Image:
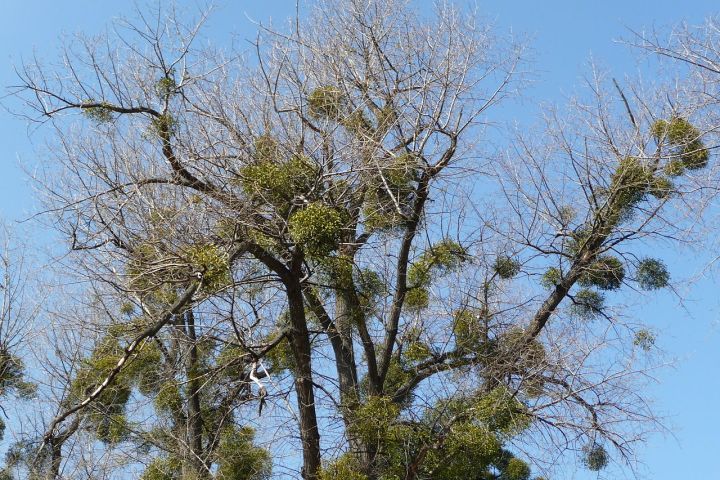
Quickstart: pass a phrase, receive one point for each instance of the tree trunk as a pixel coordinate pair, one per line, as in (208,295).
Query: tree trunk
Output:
(195,452)
(300,345)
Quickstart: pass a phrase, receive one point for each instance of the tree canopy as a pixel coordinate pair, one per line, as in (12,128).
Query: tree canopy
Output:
(312,248)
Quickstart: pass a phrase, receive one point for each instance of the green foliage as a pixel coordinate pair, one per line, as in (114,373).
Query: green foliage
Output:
(468,329)
(374,420)
(684,141)
(652,274)
(16,453)
(159,273)
(441,258)
(346,467)
(396,376)
(212,262)
(356,122)
(12,370)
(326,102)
(127,308)
(417,298)
(266,149)
(99,114)
(280,357)
(674,167)
(103,360)
(474,429)
(588,303)
(112,428)
(606,273)
(551,277)
(631,180)
(516,469)
(417,351)
(108,416)
(595,457)
(506,267)
(317,228)
(166,87)
(231,359)
(163,469)
(390,192)
(578,240)
(500,411)
(278,182)
(169,398)
(468,451)
(662,187)
(338,270)
(370,286)
(466,435)
(239,459)
(644,339)
(164,125)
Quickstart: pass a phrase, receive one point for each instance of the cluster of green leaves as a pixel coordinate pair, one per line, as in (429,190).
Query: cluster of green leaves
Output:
(684,141)
(159,273)
(280,357)
(506,267)
(632,180)
(153,373)
(109,415)
(98,114)
(370,287)
(551,277)
(635,178)
(275,181)
(595,457)
(266,149)
(417,351)
(346,467)
(326,102)
(606,273)
(652,274)
(390,192)
(163,468)
(166,87)
(458,438)
(164,125)
(469,330)
(23,455)
(644,339)
(238,457)
(212,261)
(12,379)
(588,303)
(317,228)
(330,103)
(441,258)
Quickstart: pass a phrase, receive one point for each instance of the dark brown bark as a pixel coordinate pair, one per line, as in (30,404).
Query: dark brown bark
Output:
(195,452)
(299,339)
(301,349)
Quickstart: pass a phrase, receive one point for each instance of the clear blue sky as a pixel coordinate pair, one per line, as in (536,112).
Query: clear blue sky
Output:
(564,35)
